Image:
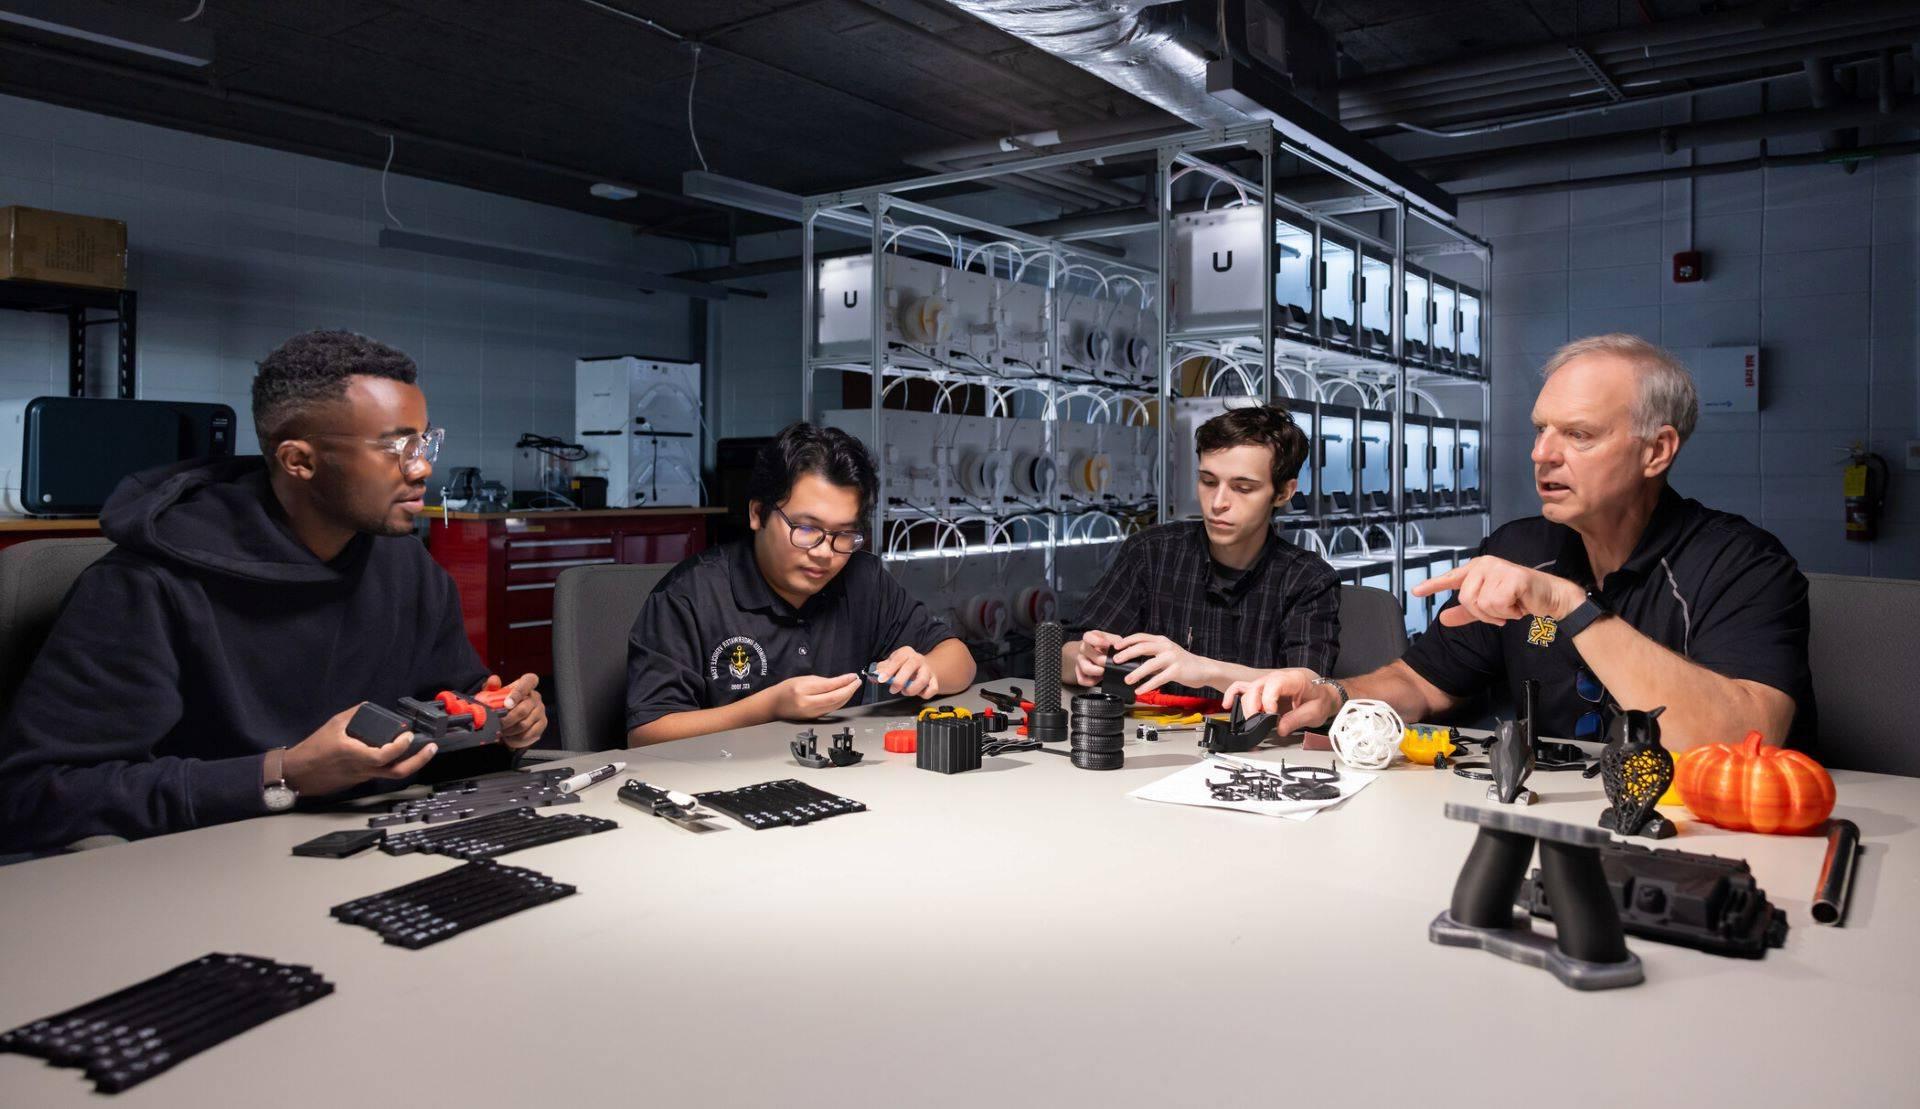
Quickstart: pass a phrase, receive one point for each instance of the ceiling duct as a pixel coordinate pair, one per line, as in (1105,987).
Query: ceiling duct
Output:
(1212,72)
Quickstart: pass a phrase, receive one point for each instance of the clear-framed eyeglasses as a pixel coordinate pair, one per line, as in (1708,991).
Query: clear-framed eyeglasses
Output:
(410,450)
(807,537)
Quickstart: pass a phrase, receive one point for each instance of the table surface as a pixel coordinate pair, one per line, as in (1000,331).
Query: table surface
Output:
(1025,934)
(577,513)
(48,523)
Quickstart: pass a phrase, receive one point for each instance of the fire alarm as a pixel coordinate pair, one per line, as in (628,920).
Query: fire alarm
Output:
(1688,266)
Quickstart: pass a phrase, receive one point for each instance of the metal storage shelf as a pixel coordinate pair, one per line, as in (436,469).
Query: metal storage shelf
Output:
(1281,353)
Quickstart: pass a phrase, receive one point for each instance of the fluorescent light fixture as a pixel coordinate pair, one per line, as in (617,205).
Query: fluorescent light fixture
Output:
(112,27)
(745,195)
(493,255)
(607,190)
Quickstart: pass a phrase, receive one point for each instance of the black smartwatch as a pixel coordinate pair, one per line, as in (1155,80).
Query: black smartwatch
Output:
(1575,622)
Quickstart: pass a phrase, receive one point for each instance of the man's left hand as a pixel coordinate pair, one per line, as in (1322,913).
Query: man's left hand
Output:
(1165,661)
(526,719)
(910,672)
(1494,591)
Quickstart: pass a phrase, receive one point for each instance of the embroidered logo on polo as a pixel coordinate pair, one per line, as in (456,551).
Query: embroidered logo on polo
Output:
(738,656)
(1540,633)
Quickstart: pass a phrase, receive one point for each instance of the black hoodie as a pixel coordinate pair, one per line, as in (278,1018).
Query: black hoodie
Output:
(209,636)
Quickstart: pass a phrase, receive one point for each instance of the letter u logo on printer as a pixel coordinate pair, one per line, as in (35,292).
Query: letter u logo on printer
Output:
(1217,267)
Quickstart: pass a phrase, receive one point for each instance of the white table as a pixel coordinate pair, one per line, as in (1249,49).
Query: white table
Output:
(1021,935)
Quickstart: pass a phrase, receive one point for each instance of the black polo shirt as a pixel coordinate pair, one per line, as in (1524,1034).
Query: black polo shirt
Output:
(1707,585)
(1284,610)
(713,631)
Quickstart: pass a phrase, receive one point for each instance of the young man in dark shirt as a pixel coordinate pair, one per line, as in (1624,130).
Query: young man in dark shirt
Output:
(1202,604)
(1621,591)
(777,627)
(205,669)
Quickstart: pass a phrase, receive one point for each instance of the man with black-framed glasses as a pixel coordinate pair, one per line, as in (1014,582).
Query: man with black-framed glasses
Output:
(205,669)
(778,627)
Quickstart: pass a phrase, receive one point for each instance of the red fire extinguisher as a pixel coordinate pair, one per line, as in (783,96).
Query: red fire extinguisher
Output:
(1865,486)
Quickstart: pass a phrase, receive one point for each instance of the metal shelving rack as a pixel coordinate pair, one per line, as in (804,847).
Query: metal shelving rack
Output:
(78,303)
(1049,523)
(1286,355)
(1314,352)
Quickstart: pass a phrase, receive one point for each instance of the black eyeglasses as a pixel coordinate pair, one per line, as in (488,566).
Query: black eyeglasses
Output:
(1592,724)
(807,537)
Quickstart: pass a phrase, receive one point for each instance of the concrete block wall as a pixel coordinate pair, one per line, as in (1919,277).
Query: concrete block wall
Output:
(1814,265)
(236,247)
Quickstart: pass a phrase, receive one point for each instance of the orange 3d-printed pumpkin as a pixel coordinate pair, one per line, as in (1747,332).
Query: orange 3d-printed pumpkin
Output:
(1751,787)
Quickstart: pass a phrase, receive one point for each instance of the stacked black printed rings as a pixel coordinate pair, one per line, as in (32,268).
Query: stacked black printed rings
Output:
(1097,731)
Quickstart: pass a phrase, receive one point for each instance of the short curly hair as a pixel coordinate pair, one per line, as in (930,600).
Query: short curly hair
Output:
(311,370)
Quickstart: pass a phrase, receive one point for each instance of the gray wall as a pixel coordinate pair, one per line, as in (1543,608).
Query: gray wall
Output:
(235,247)
(1812,264)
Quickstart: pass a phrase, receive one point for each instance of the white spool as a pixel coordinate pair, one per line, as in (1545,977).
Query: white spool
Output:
(985,617)
(927,321)
(1032,474)
(1366,734)
(1033,606)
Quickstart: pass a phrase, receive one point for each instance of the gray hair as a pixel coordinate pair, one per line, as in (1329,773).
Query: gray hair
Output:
(1667,395)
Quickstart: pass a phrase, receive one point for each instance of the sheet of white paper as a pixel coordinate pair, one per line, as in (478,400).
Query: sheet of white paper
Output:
(1189,787)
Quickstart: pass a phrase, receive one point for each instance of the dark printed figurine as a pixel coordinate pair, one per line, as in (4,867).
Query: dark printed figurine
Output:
(1511,759)
(1636,770)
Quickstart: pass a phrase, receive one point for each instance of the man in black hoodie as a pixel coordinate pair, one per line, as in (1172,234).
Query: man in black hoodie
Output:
(205,669)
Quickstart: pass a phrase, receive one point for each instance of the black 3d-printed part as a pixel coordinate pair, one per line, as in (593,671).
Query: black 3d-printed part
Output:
(806,750)
(1113,681)
(1700,901)
(950,745)
(1098,732)
(1046,667)
(1589,951)
(1238,732)
(130,1035)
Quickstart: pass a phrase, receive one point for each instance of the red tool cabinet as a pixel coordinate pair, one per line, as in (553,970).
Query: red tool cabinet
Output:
(505,564)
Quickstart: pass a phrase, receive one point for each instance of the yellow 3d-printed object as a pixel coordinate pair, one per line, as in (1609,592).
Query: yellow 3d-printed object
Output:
(944,712)
(1161,718)
(1422,742)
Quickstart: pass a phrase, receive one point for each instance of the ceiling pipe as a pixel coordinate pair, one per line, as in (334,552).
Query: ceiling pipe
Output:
(1572,80)
(1591,109)
(1490,99)
(1118,41)
(1663,140)
(1545,85)
(1114,41)
(1644,41)
(1705,169)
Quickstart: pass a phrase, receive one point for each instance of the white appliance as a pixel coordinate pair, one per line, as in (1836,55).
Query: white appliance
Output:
(640,420)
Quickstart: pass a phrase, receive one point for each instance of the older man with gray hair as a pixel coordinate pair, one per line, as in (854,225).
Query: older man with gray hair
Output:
(1621,591)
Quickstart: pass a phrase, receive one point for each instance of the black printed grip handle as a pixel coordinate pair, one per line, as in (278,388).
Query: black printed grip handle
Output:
(1046,667)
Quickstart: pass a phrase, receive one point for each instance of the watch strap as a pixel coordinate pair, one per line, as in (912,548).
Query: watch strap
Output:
(1338,687)
(1575,622)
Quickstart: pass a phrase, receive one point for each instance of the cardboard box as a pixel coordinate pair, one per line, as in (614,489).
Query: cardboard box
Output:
(62,248)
